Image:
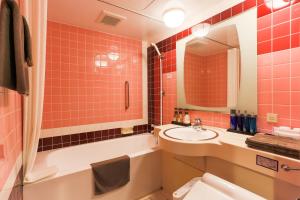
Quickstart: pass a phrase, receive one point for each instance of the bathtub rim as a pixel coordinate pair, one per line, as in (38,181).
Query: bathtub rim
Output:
(62,173)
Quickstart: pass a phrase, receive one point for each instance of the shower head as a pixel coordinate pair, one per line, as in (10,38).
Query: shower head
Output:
(156,49)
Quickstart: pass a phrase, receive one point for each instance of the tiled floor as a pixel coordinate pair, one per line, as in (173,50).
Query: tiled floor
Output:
(159,195)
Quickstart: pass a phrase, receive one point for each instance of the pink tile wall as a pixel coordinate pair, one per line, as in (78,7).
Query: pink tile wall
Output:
(11,138)
(10,132)
(279,65)
(76,92)
(205,80)
(279,88)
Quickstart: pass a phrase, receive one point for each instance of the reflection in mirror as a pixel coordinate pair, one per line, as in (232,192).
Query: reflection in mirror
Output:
(206,65)
(218,72)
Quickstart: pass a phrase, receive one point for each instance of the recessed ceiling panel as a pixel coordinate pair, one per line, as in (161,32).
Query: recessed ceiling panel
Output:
(137,5)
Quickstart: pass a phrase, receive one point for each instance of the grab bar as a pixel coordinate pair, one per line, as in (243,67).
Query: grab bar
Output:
(127,97)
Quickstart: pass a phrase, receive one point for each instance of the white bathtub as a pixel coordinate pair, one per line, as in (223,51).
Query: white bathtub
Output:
(74,180)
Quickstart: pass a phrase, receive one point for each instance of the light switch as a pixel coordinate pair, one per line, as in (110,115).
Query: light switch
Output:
(272,118)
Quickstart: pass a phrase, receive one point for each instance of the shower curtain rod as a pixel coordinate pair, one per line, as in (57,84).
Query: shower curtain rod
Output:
(133,11)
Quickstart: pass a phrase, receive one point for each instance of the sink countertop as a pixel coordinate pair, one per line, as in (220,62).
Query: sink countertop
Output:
(230,147)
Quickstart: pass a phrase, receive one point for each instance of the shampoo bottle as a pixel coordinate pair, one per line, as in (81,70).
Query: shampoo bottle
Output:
(253,127)
(233,119)
(187,119)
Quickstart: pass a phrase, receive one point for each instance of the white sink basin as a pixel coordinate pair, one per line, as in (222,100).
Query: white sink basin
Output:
(190,134)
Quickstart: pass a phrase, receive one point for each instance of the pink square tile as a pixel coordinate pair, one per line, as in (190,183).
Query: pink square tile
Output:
(282,111)
(281,30)
(265,98)
(295,69)
(264,85)
(281,71)
(295,123)
(282,43)
(281,57)
(281,98)
(295,112)
(265,59)
(264,109)
(264,47)
(265,72)
(264,22)
(281,16)
(295,54)
(295,98)
(295,84)
(296,25)
(264,35)
(295,11)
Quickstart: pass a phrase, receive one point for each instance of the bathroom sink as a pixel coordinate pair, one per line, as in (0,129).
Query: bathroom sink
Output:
(190,134)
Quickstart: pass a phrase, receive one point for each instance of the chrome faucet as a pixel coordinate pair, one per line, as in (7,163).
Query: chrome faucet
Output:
(197,124)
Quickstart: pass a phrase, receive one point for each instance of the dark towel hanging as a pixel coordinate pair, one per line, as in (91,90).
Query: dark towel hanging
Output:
(111,174)
(15,48)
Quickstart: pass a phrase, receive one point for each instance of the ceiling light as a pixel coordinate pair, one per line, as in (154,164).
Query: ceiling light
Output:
(173,17)
(113,56)
(277,4)
(201,30)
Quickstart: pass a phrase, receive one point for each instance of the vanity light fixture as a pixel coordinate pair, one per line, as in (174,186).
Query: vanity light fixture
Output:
(173,17)
(200,30)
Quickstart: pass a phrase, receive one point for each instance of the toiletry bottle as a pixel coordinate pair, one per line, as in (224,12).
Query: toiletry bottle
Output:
(242,121)
(180,117)
(247,122)
(233,120)
(175,115)
(253,124)
(239,121)
(187,119)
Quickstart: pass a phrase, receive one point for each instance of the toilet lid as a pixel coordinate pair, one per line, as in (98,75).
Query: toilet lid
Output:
(202,191)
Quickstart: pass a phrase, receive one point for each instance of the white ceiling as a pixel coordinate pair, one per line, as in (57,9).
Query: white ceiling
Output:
(83,13)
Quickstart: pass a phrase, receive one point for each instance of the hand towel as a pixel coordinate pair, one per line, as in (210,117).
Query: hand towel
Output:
(15,48)
(111,174)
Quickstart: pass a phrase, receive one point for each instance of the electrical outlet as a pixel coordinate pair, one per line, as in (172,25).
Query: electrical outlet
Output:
(272,118)
(127,130)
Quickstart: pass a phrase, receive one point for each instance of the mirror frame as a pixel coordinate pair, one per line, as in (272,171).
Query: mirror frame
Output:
(247,89)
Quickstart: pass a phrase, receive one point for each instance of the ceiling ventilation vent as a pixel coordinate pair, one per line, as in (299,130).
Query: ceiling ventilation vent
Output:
(109,18)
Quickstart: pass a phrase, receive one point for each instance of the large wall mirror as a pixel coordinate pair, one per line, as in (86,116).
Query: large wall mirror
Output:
(218,72)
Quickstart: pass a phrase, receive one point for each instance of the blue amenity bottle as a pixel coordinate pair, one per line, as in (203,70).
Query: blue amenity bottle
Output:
(253,128)
(233,119)
(246,124)
(239,121)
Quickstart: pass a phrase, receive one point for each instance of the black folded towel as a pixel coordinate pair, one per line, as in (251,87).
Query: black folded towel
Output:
(15,48)
(111,174)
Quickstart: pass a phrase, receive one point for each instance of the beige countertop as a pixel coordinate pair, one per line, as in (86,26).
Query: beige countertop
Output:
(230,147)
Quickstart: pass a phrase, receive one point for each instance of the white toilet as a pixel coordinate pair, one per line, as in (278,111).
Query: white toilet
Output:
(210,187)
